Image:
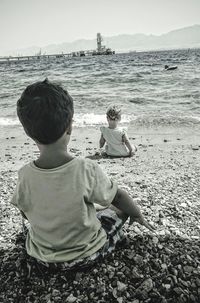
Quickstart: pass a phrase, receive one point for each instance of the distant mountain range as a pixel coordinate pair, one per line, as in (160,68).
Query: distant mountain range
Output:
(188,37)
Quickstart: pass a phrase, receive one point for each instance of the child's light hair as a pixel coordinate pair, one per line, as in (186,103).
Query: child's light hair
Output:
(114,112)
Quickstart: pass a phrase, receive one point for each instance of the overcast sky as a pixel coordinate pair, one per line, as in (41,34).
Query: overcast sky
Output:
(25,23)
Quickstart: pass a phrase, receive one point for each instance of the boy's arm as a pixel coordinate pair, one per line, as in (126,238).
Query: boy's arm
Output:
(17,197)
(126,204)
(101,141)
(128,144)
(23,215)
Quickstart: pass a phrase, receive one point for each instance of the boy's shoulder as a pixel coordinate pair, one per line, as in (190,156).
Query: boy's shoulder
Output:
(102,128)
(23,169)
(84,163)
(88,165)
(122,130)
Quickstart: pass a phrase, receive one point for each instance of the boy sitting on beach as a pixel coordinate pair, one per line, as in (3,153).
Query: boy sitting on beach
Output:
(117,142)
(56,192)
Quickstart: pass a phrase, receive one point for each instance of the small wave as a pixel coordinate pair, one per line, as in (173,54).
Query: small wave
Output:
(138,75)
(4,96)
(140,100)
(92,119)
(184,103)
(158,121)
(137,100)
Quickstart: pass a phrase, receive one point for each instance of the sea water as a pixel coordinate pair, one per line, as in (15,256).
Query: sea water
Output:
(136,81)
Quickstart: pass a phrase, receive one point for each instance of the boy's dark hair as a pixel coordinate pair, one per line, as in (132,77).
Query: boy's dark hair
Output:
(45,110)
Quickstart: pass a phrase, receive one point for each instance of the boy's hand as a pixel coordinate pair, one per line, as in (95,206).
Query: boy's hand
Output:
(131,153)
(23,215)
(141,221)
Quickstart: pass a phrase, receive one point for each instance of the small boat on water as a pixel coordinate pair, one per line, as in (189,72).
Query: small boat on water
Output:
(167,67)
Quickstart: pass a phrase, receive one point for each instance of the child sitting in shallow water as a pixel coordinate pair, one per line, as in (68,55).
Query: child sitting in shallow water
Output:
(117,142)
(57,193)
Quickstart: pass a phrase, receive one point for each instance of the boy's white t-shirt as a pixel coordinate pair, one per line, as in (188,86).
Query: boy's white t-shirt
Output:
(114,144)
(59,205)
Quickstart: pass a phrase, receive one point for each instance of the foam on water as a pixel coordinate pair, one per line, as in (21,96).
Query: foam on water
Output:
(92,119)
(8,121)
(80,120)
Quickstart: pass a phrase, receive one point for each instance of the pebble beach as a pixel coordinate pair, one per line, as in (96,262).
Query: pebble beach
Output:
(159,267)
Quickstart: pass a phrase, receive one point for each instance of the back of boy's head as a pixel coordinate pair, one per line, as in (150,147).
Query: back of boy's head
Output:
(114,112)
(45,110)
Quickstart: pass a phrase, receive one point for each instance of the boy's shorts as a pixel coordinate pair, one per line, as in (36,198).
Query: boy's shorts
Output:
(112,225)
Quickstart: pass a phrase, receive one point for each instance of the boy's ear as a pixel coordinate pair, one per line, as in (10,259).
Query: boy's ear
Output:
(69,129)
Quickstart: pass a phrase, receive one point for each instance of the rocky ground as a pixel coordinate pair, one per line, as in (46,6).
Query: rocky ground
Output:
(160,267)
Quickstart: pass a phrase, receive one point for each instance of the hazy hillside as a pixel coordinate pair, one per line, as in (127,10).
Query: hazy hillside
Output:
(180,38)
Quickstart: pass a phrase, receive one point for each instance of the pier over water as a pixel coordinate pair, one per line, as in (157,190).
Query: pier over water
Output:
(44,57)
(101,50)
